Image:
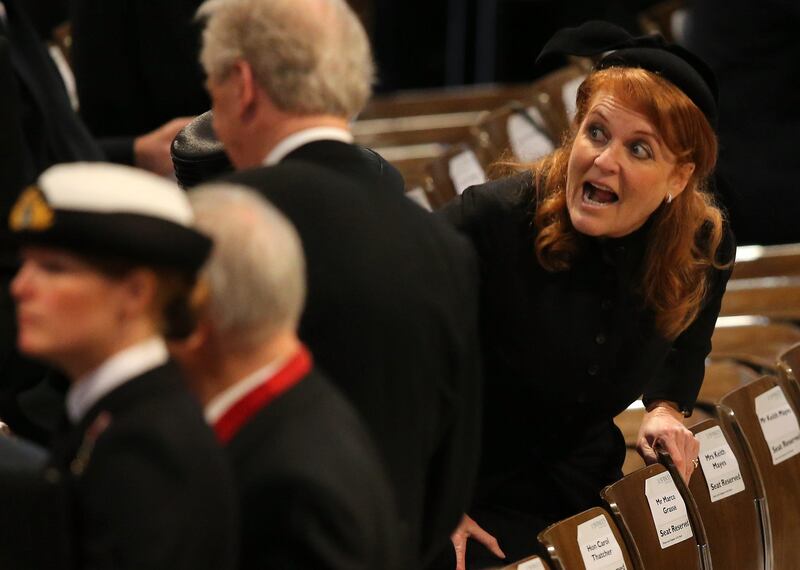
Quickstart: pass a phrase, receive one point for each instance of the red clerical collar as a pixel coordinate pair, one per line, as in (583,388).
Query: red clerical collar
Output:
(292,372)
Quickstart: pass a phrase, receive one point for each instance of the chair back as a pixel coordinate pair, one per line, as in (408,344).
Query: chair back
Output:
(590,539)
(765,420)
(652,512)
(725,489)
(529,563)
(789,367)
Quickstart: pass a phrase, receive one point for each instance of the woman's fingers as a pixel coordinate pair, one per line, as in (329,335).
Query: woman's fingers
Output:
(487,540)
(467,529)
(663,426)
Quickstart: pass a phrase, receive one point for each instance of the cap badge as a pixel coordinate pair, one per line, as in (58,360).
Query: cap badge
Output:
(31,212)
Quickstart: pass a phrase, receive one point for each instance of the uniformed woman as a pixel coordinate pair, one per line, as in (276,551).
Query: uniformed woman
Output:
(109,258)
(603,266)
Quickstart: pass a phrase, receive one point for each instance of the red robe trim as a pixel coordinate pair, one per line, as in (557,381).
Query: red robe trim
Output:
(237,415)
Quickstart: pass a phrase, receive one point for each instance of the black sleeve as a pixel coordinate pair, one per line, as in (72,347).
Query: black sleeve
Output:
(680,378)
(481,208)
(118,149)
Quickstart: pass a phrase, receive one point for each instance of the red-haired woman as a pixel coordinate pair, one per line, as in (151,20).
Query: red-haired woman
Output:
(603,267)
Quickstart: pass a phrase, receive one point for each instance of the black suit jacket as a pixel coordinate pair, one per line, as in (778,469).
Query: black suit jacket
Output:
(391,318)
(152,489)
(313,492)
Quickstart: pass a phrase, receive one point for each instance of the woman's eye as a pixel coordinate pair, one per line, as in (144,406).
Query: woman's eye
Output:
(596,133)
(641,150)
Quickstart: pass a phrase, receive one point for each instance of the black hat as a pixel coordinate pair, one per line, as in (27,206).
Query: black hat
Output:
(197,153)
(676,64)
(110,210)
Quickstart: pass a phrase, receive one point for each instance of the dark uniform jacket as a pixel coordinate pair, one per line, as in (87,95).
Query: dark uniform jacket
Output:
(152,487)
(313,492)
(391,318)
(564,353)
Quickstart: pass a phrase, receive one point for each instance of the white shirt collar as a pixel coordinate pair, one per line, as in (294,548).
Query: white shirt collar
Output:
(226,399)
(300,138)
(114,372)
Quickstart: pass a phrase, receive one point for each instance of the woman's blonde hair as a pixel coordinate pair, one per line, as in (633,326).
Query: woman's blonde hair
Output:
(684,236)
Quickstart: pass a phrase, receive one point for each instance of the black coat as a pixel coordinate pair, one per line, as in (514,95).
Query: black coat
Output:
(136,63)
(313,492)
(564,353)
(152,489)
(391,318)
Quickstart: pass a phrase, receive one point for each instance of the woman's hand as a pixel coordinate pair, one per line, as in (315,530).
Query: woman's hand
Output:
(663,423)
(467,529)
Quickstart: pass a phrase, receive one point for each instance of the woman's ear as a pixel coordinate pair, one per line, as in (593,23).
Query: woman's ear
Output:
(139,290)
(680,177)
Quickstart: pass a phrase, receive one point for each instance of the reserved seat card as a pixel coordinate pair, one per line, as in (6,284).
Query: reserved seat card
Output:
(719,464)
(668,510)
(599,548)
(527,138)
(569,95)
(465,171)
(779,424)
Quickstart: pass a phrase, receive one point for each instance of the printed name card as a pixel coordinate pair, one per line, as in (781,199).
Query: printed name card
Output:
(599,549)
(535,564)
(719,464)
(466,170)
(779,424)
(668,510)
(569,94)
(528,142)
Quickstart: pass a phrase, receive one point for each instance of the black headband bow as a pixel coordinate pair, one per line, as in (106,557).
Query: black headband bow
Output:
(676,64)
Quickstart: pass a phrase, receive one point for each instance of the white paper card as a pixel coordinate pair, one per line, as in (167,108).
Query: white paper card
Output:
(569,93)
(466,170)
(535,564)
(417,194)
(599,549)
(668,510)
(779,424)
(719,464)
(527,141)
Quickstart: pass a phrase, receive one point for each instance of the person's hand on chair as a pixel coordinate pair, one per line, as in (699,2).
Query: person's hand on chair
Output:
(467,529)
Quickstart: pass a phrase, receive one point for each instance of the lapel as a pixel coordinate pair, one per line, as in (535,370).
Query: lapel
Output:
(74,445)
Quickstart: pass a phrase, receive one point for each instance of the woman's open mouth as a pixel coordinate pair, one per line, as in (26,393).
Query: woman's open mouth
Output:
(598,195)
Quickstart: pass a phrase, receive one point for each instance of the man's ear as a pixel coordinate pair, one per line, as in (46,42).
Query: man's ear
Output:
(246,88)
(681,175)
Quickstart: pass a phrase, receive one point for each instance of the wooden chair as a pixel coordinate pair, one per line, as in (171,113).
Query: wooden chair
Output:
(555,95)
(789,367)
(663,18)
(757,344)
(460,166)
(515,131)
(470,98)
(590,533)
(721,377)
(773,297)
(739,413)
(530,563)
(753,261)
(630,507)
(738,496)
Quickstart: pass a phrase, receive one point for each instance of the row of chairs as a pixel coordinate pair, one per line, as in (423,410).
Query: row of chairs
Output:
(740,509)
